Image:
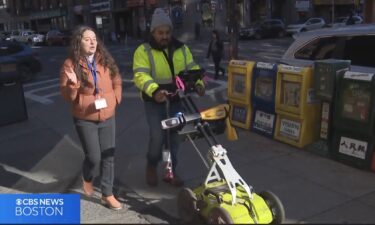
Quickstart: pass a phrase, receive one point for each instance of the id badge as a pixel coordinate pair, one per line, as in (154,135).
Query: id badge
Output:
(100,103)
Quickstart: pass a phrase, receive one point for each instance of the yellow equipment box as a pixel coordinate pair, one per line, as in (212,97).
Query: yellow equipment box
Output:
(240,114)
(239,80)
(298,110)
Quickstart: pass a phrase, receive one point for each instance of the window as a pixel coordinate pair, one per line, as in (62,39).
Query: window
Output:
(315,21)
(321,48)
(266,24)
(360,50)
(3,4)
(356,101)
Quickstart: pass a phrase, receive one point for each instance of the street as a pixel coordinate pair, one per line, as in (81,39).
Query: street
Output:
(46,88)
(313,189)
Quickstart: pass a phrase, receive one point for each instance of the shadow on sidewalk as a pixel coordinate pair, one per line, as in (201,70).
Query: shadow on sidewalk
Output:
(131,202)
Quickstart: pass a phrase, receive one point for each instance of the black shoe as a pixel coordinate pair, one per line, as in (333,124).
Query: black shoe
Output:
(151,176)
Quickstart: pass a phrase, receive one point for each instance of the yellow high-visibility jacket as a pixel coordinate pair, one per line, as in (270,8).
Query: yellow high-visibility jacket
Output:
(152,71)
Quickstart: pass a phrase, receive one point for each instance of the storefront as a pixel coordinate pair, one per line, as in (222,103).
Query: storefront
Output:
(331,10)
(101,13)
(45,20)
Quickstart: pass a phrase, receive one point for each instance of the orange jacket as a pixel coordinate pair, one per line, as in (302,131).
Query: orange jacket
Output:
(82,97)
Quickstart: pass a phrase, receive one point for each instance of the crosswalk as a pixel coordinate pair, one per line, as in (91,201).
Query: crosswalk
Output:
(47,92)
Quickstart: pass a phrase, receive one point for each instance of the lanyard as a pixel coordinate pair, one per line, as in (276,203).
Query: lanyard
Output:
(93,72)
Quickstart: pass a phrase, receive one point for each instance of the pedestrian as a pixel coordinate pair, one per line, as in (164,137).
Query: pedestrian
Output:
(91,82)
(156,63)
(350,20)
(216,49)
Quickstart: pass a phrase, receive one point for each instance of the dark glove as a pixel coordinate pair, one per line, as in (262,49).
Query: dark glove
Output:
(200,90)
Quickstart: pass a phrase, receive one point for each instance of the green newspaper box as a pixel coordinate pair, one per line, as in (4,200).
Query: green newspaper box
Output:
(325,79)
(353,123)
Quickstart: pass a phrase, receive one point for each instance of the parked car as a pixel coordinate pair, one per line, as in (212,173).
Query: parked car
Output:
(57,37)
(4,35)
(267,28)
(24,36)
(310,24)
(341,21)
(39,39)
(28,65)
(355,43)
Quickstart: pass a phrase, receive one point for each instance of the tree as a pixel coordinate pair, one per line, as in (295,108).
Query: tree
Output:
(234,14)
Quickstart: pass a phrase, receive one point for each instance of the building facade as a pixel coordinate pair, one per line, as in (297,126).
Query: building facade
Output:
(120,19)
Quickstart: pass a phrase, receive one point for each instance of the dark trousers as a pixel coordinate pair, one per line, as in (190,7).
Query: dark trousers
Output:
(98,143)
(217,61)
(155,113)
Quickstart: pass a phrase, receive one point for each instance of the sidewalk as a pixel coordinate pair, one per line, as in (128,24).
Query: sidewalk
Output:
(43,155)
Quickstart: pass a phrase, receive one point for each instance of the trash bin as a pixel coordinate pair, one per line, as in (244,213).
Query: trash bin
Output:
(13,107)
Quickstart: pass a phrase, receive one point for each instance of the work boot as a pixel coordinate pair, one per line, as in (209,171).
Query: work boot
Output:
(88,187)
(175,181)
(111,202)
(151,175)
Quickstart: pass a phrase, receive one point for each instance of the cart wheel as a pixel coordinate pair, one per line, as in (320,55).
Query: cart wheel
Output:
(186,205)
(219,215)
(275,205)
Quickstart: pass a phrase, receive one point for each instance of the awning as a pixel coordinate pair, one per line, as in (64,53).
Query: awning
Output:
(48,14)
(337,2)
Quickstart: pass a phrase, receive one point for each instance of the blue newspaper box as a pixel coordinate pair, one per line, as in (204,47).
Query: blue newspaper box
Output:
(263,98)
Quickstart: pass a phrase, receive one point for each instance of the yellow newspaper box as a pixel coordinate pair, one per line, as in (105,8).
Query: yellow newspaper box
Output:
(295,130)
(298,110)
(239,80)
(240,114)
(295,91)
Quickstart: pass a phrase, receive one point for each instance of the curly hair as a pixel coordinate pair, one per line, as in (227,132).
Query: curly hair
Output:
(75,54)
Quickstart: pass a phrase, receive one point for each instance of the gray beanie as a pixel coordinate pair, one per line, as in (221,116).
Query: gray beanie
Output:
(160,18)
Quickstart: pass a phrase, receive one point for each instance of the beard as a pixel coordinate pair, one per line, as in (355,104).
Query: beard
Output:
(164,43)
(160,44)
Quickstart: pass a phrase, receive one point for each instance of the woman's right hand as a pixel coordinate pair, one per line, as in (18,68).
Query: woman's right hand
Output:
(72,76)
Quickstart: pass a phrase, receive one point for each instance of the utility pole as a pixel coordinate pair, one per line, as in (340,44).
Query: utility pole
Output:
(233,28)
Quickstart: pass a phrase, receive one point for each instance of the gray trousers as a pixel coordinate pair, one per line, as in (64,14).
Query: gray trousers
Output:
(98,143)
(155,113)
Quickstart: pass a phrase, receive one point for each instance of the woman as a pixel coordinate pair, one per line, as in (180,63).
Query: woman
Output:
(216,48)
(90,81)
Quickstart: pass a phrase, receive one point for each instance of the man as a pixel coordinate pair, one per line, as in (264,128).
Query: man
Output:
(155,66)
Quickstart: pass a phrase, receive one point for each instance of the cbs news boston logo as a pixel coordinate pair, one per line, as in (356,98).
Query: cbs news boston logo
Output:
(40,208)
